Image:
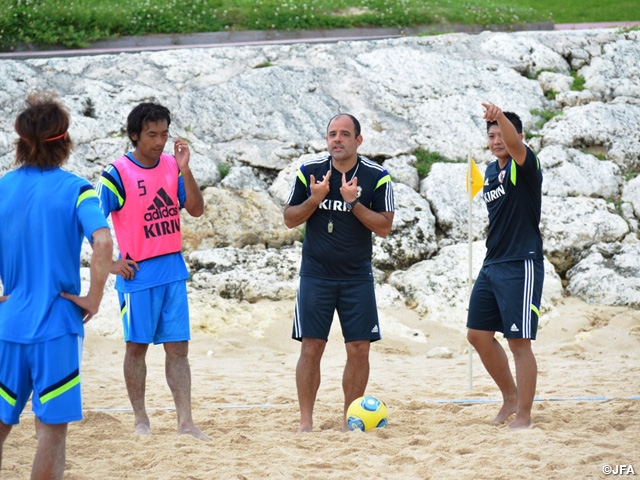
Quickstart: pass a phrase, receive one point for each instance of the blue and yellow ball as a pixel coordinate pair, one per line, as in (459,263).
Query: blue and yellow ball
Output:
(366,413)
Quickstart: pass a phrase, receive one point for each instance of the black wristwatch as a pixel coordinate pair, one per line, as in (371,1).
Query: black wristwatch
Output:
(352,204)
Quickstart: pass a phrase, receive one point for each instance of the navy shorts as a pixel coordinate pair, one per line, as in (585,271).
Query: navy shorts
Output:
(506,298)
(355,302)
(156,315)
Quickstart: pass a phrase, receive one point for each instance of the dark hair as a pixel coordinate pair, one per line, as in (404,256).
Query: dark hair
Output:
(143,114)
(356,123)
(42,128)
(513,118)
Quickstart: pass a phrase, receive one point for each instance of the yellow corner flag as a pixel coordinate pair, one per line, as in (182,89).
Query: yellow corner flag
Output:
(475,180)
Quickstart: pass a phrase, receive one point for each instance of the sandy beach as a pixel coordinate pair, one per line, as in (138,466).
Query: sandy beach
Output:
(587,412)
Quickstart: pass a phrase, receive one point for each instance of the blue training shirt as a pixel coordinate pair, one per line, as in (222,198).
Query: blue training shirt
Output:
(154,271)
(44,214)
(513,196)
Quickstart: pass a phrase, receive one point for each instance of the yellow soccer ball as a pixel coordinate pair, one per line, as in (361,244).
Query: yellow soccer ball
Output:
(366,413)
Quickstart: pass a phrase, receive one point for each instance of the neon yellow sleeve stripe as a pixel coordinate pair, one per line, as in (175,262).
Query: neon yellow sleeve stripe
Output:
(302,179)
(113,189)
(383,180)
(59,391)
(87,194)
(5,395)
(513,172)
(535,310)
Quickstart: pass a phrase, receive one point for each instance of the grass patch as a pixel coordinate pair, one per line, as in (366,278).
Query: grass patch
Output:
(264,64)
(223,168)
(425,159)
(546,115)
(577,11)
(75,23)
(551,94)
(624,30)
(530,135)
(599,156)
(578,82)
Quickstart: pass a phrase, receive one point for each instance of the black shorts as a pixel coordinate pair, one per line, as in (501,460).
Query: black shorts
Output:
(355,302)
(506,298)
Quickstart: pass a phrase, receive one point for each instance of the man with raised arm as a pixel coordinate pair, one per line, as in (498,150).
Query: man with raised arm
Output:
(506,295)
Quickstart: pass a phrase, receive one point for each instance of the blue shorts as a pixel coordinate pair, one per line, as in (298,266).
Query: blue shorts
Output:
(156,315)
(355,302)
(51,370)
(506,298)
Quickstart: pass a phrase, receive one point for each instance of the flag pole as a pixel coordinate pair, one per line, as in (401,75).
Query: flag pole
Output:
(469,278)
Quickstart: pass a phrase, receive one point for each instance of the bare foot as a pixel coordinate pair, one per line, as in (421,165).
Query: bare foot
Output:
(143,429)
(305,429)
(519,423)
(194,432)
(508,409)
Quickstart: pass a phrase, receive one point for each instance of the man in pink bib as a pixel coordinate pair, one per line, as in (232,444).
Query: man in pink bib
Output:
(143,191)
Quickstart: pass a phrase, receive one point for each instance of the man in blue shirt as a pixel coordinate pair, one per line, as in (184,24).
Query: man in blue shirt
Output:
(143,192)
(45,213)
(506,295)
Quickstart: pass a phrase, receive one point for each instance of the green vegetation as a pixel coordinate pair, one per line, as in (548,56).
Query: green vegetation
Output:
(624,30)
(630,175)
(545,114)
(578,81)
(530,135)
(599,156)
(578,11)
(75,23)
(551,94)
(425,159)
(223,168)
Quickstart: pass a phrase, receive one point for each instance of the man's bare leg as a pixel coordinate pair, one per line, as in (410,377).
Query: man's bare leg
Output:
(308,379)
(356,375)
(48,463)
(526,378)
(495,360)
(4,433)
(178,374)
(135,377)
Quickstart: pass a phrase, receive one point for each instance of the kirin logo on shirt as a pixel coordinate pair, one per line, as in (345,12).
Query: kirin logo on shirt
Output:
(160,216)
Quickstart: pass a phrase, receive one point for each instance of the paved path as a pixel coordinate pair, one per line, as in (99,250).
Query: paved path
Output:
(218,39)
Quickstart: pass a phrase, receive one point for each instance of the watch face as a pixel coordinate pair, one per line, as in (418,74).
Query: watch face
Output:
(349,207)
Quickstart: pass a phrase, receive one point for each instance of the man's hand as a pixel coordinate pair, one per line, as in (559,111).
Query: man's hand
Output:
(181,152)
(320,189)
(124,268)
(349,190)
(3,298)
(492,112)
(88,305)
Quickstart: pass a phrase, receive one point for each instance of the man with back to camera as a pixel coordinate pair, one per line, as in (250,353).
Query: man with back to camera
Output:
(45,213)
(143,192)
(342,197)
(506,295)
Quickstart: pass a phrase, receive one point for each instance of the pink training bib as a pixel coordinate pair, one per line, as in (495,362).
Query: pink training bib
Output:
(148,223)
